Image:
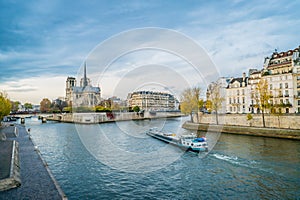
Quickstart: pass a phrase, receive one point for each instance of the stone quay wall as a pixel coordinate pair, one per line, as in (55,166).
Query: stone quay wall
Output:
(245,130)
(291,121)
(92,118)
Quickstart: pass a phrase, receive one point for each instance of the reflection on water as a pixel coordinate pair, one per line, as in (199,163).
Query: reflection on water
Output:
(238,167)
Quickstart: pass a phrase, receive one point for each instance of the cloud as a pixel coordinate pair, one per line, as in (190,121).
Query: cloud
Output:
(53,38)
(34,89)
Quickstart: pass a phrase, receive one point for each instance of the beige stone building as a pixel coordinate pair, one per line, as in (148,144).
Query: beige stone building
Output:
(281,73)
(236,95)
(254,78)
(84,95)
(152,101)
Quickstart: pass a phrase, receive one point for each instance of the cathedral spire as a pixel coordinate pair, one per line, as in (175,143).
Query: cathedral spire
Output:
(85,81)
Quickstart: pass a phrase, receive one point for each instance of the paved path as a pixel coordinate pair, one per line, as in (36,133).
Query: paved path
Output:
(5,158)
(36,183)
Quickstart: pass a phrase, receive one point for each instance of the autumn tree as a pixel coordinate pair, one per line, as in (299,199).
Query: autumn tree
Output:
(215,98)
(262,96)
(45,105)
(5,105)
(190,101)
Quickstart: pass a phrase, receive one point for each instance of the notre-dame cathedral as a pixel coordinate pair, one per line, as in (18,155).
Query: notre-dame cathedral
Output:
(85,95)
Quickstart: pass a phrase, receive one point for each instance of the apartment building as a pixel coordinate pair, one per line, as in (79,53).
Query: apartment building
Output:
(152,101)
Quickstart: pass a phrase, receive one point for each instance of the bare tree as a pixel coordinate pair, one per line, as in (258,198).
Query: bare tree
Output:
(215,98)
(190,101)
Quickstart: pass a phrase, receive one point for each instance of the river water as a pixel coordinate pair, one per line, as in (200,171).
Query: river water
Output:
(119,161)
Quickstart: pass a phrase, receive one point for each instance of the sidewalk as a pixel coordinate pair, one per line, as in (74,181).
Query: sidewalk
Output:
(36,179)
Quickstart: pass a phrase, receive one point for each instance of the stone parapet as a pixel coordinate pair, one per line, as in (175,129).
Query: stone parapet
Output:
(245,130)
(272,121)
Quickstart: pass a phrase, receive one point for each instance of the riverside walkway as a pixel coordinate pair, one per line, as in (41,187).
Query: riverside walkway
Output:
(37,181)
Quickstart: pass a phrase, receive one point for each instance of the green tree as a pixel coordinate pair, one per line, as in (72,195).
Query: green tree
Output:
(216,99)
(136,109)
(28,106)
(190,101)
(45,105)
(5,105)
(262,96)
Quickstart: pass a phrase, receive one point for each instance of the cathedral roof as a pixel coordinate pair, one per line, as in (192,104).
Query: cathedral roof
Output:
(86,89)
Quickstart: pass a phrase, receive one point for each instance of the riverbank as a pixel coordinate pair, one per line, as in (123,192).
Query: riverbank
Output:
(95,118)
(245,130)
(31,177)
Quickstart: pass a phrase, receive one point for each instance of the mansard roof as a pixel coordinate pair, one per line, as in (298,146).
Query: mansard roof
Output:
(240,80)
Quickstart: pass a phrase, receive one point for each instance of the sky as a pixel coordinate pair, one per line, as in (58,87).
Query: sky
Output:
(44,42)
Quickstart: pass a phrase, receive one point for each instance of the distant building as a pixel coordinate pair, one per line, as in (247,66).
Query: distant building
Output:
(236,94)
(83,95)
(152,101)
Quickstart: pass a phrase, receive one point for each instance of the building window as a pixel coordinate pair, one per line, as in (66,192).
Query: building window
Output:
(229,100)
(298,102)
(287,101)
(271,86)
(243,99)
(286,94)
(281,101)
(238,92)
(280,85)
(238,100)
(286,85)
(243,92)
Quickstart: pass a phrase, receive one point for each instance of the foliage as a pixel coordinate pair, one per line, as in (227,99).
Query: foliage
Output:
(136,109)
(215,99)
(200,103)
(262,96)
(190,100)
(249,117)
(28,106)
(45,105)
(67,109)
(102,109)
(208,105)
(5,105)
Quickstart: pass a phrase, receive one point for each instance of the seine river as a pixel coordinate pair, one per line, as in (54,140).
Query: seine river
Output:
(119,161)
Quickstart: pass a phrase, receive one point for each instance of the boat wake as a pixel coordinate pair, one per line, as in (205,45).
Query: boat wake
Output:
(241,162)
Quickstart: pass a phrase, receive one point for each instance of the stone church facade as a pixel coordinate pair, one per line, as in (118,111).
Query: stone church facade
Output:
(84,95)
